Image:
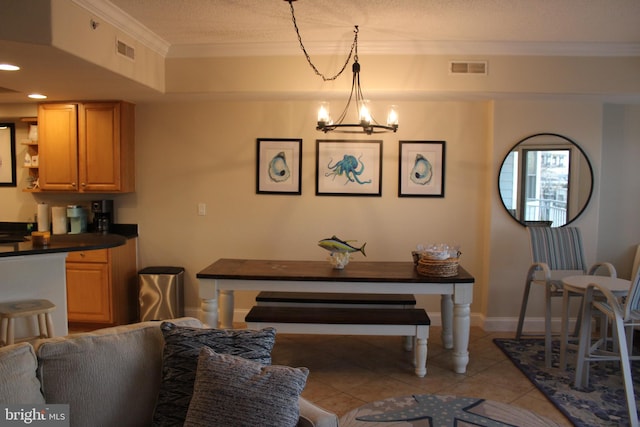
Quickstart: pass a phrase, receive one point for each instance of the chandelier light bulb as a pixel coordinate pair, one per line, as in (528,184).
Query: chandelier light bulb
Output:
(324,117)
(392,116)
(365,114)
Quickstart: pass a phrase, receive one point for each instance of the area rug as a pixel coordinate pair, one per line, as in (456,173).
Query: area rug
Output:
(431,410)
(601,404)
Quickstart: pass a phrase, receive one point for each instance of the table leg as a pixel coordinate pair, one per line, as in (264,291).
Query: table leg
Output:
(421,357)
(209,312)
(209,302)
(446,312)
(226,308)
(461,330)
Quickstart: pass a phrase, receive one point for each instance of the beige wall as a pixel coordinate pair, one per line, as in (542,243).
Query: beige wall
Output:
(197,144)
(582,122)
(204,152)
(619,224)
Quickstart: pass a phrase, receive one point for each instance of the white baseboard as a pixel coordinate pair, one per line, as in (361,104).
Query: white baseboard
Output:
(532,325)
(192,312)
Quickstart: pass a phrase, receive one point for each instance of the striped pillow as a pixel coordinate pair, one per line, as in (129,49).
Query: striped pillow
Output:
(180,362)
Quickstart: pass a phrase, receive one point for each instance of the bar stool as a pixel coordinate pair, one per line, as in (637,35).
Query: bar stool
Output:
(39,308)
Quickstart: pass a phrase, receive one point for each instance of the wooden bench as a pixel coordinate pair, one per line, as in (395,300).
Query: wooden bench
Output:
(328,299)
(336,299)
(348,321)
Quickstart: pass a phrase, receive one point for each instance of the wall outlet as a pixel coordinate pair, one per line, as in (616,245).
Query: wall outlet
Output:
(202,209)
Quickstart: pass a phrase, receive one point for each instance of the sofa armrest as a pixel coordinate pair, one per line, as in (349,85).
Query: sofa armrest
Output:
(314,416)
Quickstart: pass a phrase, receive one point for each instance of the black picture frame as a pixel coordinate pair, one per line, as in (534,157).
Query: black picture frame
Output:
(279,166)
(8,155)
(421,168)
(349,168)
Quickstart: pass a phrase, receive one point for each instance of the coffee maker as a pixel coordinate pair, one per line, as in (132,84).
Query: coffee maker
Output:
(102,215)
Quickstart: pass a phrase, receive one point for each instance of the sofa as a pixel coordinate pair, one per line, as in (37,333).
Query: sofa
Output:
(114,376)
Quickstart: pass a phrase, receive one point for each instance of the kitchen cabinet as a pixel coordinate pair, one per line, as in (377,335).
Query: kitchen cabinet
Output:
(87,147)
(102,286)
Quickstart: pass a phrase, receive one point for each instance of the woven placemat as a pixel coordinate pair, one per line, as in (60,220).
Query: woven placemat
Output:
(438,268)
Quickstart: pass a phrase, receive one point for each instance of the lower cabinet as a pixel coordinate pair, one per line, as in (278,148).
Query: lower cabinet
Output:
(102,286)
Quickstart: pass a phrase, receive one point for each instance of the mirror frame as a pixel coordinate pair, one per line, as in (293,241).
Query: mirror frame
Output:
(570,141)
(11,128)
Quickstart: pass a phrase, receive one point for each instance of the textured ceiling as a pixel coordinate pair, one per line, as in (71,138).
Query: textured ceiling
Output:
(202,28)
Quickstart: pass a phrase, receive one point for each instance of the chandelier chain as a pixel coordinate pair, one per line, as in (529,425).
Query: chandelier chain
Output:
(354,47)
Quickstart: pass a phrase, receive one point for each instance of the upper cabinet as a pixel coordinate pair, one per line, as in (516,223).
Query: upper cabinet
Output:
(87,147)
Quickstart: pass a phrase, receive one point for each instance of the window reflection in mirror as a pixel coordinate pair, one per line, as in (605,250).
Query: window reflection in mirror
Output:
(545,179)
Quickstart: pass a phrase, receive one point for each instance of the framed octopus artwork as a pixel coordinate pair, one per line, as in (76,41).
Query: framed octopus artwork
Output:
(348,168)
(421,169)
(279,166)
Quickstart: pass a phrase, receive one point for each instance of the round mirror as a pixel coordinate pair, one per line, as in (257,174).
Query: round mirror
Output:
(545,179)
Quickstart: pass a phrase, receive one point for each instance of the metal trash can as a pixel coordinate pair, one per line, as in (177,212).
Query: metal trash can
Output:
(161,293)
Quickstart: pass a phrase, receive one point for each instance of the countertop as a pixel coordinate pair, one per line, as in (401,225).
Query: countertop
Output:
(63,243)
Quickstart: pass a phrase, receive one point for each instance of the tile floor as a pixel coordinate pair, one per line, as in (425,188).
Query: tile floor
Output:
(349,371)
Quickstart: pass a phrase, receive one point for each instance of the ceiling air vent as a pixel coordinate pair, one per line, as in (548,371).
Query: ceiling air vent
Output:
(468,67)
(124,49)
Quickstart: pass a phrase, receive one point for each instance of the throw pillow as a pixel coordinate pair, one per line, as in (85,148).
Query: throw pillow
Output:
(234,392)
(180,362)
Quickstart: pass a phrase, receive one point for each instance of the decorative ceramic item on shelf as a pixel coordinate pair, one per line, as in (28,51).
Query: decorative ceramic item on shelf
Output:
(31,180)
(33,133)
(340,250)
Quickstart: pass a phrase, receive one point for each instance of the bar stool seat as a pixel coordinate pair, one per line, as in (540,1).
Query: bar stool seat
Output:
(39,308)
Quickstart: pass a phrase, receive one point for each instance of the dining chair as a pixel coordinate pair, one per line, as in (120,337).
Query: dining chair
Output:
(556,253)
(624,315)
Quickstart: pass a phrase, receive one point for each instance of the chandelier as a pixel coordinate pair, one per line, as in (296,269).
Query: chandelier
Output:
(366,122)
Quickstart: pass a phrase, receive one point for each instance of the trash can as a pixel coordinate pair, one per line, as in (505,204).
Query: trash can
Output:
(160,293)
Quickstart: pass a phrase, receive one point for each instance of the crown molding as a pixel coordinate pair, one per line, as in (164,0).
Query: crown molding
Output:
(116,17)
(409,48)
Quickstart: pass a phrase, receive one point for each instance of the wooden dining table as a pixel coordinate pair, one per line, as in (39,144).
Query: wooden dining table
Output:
(219,280)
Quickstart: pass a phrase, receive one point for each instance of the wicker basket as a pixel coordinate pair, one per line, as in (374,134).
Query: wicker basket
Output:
(438,268)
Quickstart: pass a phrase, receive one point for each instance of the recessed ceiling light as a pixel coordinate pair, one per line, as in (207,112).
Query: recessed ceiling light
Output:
(9,67)
(37,96)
